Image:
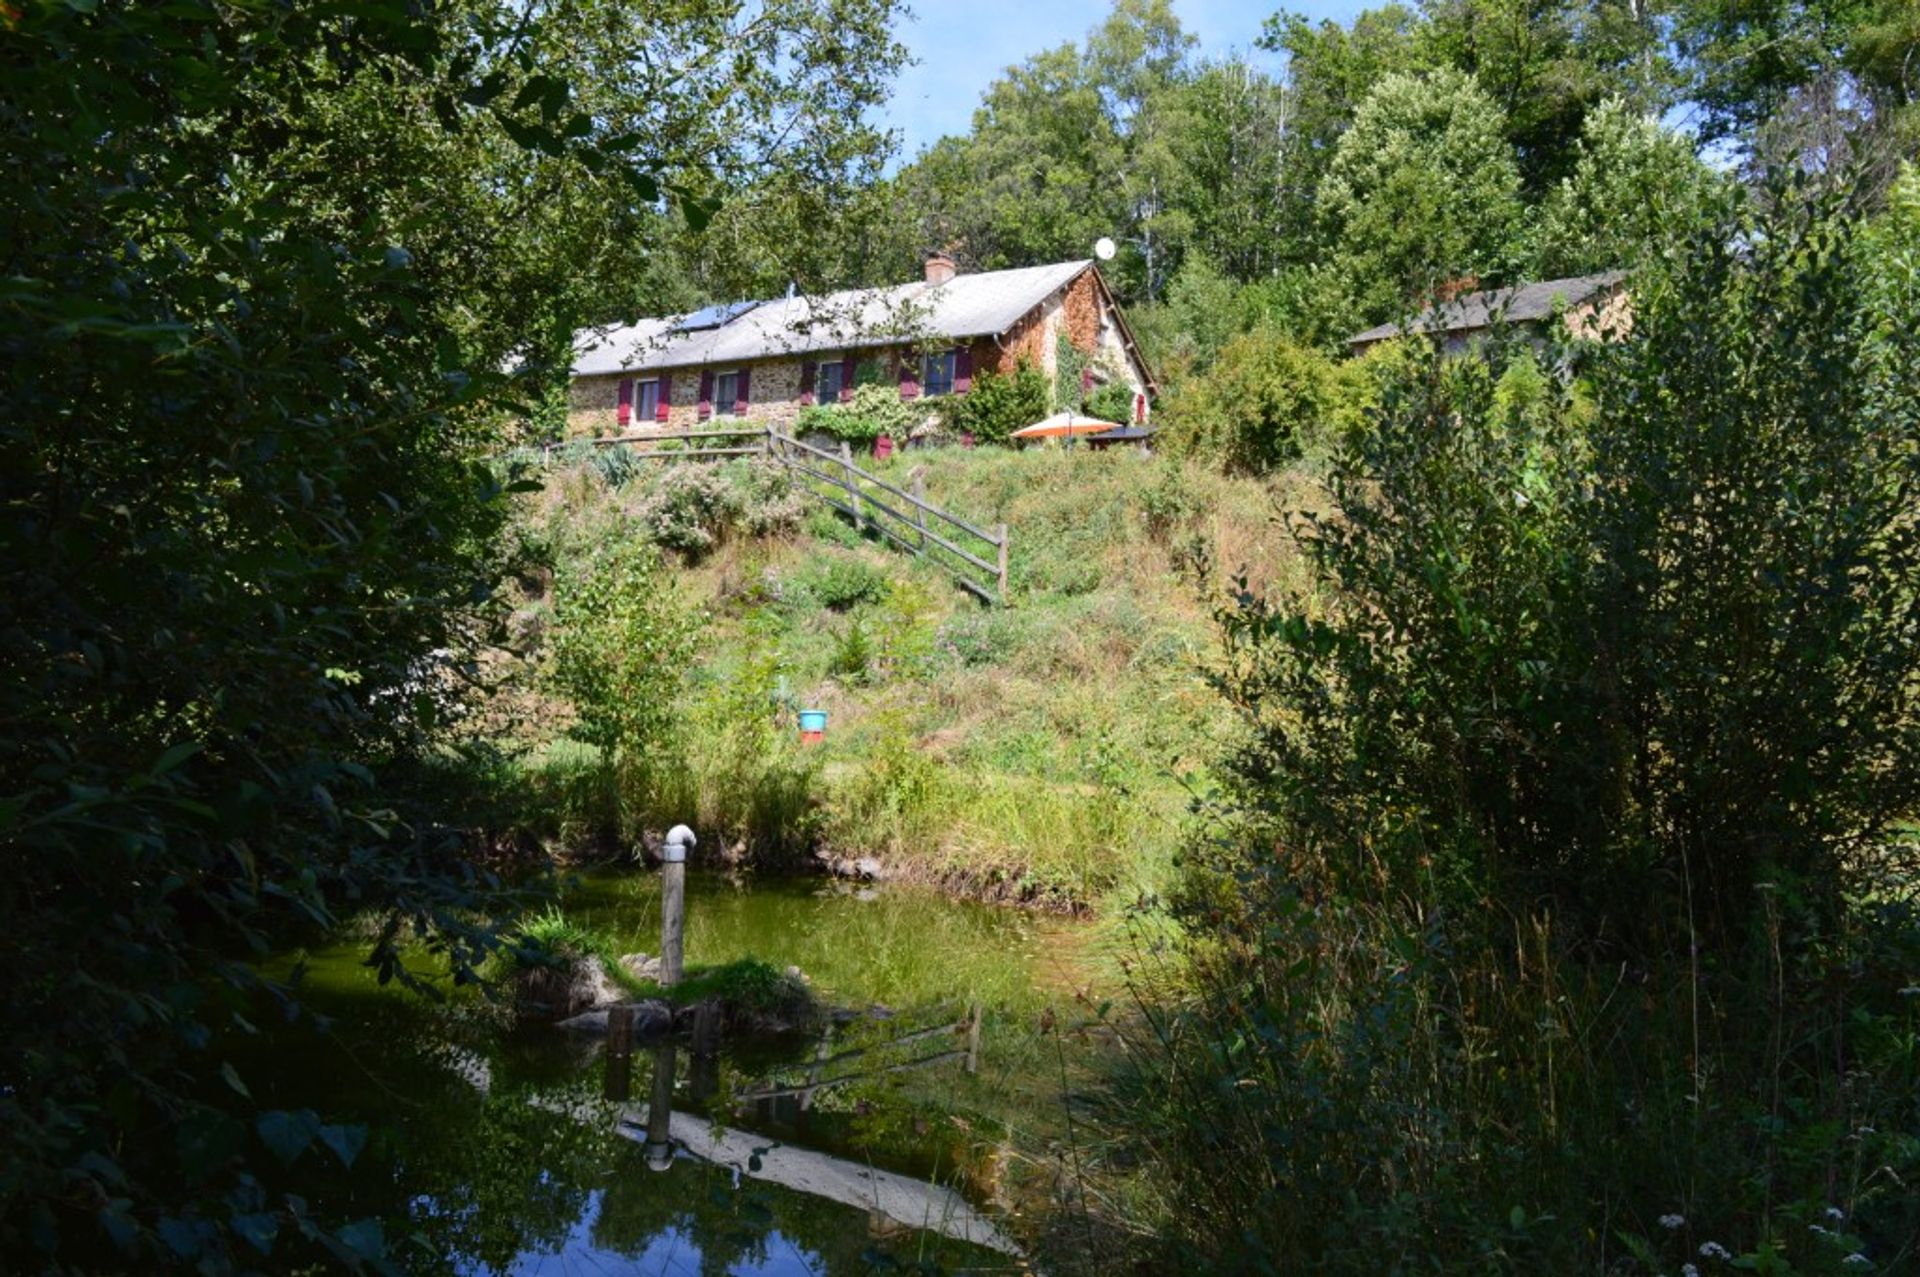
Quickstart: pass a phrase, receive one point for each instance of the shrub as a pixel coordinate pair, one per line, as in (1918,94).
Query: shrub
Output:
(1264,401)
(770,500)
(873,409)
(687,508)
(1000,403)
(841,584)
(1563,883)
(853,653)
(619,647)
(1112,401)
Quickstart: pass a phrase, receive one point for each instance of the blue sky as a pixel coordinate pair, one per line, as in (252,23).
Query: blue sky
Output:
(962,45)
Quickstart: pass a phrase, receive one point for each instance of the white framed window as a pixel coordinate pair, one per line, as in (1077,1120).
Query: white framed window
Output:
(936,374)
(726,394)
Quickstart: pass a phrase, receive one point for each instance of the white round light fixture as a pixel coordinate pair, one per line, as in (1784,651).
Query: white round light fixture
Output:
(1104,249)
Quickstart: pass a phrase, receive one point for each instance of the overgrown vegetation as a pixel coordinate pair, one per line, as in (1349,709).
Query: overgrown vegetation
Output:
(1038,753)
(1562,915)
(263,265)
(1000,403)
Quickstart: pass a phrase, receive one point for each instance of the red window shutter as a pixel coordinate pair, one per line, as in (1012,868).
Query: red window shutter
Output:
(846,379)
(625,411)
(1139,408)
(963,370)
(666,398)
(909,377)
(706,394)
(740,402)
(1086,381)
(806,381)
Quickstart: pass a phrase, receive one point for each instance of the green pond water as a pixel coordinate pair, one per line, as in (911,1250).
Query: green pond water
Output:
(493,1151)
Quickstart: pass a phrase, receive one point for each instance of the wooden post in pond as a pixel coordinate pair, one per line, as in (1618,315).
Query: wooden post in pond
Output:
(619,1052)
(673,902)
(706,1027)
(660,1110)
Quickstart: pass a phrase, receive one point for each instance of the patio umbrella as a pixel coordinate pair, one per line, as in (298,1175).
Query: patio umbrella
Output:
(1063,425)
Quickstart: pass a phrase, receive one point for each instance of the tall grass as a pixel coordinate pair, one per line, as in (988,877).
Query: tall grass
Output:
(1041,752)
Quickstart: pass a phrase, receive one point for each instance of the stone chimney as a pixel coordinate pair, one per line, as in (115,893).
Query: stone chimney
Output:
(940,269)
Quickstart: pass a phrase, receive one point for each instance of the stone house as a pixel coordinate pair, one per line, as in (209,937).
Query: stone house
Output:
(1593,307)
(765,361)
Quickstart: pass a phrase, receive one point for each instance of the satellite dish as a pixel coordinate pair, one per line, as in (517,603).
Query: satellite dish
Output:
(1104,249)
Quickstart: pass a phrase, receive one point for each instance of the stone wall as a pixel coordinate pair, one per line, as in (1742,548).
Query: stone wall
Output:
(773,390)
(1081,312)
(593,406)
(1605,318)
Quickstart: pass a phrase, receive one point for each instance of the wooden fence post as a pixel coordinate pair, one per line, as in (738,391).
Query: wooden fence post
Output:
(973,1038)
(919,511)
(673,902)
(619,1052)
(1001,530)
(853,490)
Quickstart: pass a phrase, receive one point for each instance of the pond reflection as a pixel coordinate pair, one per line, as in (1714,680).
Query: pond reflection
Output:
(886,1197)
(497,1152)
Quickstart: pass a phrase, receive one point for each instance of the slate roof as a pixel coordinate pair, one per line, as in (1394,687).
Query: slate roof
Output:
(1528,303)
(980,305)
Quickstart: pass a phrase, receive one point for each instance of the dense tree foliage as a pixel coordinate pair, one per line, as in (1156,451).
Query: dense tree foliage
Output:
(263,266)
(1501,139)
(1422,187)
(1561,910)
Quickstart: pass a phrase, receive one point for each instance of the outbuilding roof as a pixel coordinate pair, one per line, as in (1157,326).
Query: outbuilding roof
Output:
(980,305)
(1528,303)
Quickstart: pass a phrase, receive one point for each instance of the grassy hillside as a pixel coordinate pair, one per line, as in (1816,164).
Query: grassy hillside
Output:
(1042,751)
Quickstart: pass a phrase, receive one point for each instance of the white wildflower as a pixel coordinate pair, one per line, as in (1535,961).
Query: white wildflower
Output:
(1835,1214)
(1688,1270)
(1858,1260)
(1818,1231)
(1714,1250)
(1673,1221)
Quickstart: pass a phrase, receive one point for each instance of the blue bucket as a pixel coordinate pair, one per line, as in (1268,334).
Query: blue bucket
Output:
(813,720)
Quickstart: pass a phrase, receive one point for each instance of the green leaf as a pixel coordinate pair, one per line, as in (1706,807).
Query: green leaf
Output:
(232,1079)
(174,756)
(288,1134)
(204,1140)
(364,1237)
(258,1230)
(345,1141)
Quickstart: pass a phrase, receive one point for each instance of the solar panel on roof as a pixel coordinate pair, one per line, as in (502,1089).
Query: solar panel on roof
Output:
(713,317)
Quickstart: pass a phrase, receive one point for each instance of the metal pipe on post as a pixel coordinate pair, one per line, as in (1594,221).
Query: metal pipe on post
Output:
(673,902)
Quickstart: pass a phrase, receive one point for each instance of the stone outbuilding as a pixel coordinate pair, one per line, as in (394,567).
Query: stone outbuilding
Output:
(1593,307)
(765,361)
